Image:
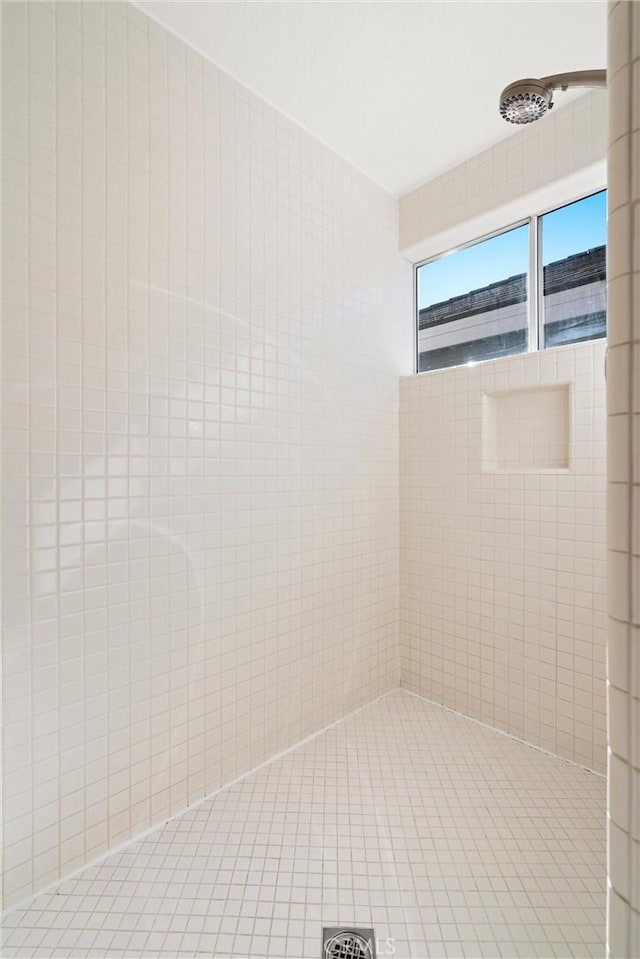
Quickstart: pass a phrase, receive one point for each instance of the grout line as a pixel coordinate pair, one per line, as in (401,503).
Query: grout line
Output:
(24,904)
(503,732)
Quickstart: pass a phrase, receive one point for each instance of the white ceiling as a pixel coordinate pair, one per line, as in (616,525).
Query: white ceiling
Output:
(403,90)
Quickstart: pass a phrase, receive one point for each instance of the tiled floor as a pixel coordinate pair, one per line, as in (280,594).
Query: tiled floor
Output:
(445,837)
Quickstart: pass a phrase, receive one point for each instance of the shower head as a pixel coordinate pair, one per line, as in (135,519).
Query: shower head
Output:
(527,100)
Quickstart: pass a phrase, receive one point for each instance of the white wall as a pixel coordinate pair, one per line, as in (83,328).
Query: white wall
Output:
(623,474)
(503,570)
(502,576)
(205,316)
(545,164)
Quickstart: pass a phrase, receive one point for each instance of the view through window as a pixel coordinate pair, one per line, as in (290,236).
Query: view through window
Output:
(573,241)
(473,303)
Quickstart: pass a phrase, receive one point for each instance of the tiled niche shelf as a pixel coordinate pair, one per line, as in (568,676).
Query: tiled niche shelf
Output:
(527,430)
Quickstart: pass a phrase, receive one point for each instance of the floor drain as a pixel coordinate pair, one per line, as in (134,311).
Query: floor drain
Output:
(348,944)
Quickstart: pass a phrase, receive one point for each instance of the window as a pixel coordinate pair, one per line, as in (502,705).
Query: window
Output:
(539,284)
(472,304)
(573,243)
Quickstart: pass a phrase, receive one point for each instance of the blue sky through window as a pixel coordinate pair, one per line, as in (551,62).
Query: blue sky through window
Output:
(570,229)
(574,228)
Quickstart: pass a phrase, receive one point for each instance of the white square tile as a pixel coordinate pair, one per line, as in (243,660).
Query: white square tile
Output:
(442,850)
(213,544)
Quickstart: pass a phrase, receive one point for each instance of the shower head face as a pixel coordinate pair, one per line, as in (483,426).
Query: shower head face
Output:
(525,101)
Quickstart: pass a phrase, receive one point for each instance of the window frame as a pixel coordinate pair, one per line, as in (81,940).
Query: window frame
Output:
(535,278)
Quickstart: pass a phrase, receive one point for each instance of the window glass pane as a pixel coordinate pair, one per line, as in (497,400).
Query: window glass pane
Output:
(472,303)
(574,260)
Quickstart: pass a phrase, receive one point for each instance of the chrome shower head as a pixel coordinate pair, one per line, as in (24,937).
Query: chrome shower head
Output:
(527,100)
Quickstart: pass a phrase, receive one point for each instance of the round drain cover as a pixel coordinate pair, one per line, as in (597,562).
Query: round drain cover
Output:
(347,945)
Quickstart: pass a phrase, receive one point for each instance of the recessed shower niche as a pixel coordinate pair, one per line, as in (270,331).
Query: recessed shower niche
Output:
(527,430)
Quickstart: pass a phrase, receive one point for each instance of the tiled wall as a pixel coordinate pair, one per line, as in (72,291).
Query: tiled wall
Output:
(623,522)
(503,569)
(571,138)
(502,572)
(203,331)
(204,319)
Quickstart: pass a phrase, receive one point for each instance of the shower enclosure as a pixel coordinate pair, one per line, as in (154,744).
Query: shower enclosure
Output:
(287,651)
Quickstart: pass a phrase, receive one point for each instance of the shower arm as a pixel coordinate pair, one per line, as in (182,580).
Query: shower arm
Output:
(579,78)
